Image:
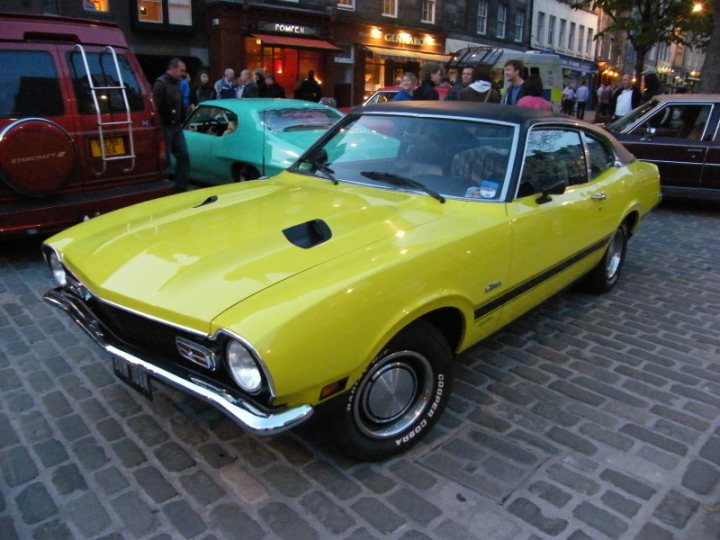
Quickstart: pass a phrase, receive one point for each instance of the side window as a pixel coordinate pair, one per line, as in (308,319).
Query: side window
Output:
(103,73)
(214,121)
(552,155)
(601,158)
(681,121)
(29,85)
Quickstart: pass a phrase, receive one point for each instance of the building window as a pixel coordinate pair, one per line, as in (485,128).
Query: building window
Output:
(180,12)
(551,30)
(95,5)
(581,39)
(150,11)
(519,25)
(540,29)
(571,37)
(428,11)
(482,17)
(589,42)
(389,8)
(561,37)
(346,4)
(501,21)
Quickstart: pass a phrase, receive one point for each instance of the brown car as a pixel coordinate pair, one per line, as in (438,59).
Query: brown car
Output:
(78,133)
(679,133)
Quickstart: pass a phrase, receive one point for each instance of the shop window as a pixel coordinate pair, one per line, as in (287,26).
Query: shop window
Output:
(482,17)
(389,8)
(501,21)
(171,12)
(346,4)
(428,11)
(179,12)
(96,5)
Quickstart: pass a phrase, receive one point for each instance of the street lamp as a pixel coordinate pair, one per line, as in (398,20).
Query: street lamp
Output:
(697,7)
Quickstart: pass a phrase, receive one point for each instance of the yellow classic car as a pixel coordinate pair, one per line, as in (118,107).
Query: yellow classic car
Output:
(346,284)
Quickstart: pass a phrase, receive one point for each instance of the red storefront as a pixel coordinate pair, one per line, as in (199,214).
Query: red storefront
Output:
(286,43)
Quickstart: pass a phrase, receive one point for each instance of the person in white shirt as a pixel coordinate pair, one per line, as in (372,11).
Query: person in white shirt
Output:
(581,97)
(625,99)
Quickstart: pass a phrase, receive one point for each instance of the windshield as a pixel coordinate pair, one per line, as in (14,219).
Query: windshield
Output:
(435,156)
(300,119)
(622,123)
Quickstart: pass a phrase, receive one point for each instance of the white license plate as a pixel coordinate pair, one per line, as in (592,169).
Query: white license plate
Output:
(134,376)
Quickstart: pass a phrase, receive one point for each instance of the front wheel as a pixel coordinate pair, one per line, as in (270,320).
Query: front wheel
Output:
(605,275)
(242,172)
(399,397)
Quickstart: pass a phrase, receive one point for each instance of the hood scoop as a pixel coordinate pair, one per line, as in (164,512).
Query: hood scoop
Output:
(308,234)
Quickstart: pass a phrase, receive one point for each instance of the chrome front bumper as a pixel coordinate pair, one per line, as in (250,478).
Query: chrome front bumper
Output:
(243,412)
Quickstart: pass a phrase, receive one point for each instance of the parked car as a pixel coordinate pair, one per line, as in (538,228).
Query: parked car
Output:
(406,234)
(387,93)
(679,133)
(78,134)
(242,139)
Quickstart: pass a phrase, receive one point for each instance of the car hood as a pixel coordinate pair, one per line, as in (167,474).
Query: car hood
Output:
(186,262)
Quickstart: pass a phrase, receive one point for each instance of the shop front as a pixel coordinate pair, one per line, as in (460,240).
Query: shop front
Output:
(287,44)
(374,57)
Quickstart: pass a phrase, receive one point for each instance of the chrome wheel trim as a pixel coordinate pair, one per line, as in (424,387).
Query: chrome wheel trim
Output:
(393,394)
(614,255)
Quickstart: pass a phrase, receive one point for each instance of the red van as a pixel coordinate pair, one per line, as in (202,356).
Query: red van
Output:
(78,132)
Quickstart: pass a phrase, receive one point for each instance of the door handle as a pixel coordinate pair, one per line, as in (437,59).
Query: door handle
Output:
(599,197)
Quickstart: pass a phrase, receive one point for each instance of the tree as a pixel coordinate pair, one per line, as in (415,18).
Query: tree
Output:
(710,74)
(650,22)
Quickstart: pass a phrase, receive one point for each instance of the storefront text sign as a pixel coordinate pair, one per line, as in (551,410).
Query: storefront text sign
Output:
(408,39)
(287,28)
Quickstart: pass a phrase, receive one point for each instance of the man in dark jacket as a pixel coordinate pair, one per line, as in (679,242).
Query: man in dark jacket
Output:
(466,77)
(430,77)
(309,89)
(625,99)
(169,102)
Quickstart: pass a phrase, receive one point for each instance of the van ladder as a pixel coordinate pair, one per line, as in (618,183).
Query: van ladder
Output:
(103,125)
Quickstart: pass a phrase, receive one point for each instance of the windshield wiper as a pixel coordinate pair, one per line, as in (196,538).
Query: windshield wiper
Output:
(403,181)
(320,164)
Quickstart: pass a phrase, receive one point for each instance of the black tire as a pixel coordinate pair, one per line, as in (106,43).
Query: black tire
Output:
(242,172)
(400,396)
(605,275)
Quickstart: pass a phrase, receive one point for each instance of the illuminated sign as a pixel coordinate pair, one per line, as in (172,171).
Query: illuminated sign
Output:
(287,28)
(404,38)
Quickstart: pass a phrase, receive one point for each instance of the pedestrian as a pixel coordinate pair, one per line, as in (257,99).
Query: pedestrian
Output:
(408,82)
(481,88)
(466,77)
(168,99)
(653,87)
(245,86)
(568,99)
(260,82)
(225,87)
(603,95)
(533,98)
(203,90)
(272,88)
(513,72)
(581,98)
(309,89)
(430,76)
(187,101)
(625,99)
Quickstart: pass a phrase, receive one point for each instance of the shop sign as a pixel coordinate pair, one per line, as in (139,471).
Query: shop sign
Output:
(408,39)
(287,28)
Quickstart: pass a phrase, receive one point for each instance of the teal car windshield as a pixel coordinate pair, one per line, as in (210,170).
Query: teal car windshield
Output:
(281,120)
(437,156)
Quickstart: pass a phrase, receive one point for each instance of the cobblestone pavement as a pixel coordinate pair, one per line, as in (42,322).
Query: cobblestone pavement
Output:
(590,418)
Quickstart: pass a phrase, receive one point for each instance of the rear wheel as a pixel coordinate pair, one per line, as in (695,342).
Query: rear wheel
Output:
(241,172)
(399,397)
(605,275)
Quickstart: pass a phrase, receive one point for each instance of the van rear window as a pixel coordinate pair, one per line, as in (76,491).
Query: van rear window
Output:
(104,73)
(29,85)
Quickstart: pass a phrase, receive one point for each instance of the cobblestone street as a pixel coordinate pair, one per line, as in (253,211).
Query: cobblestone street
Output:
(589,418)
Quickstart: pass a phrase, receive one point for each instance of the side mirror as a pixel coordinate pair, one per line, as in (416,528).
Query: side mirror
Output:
(650,132)
(551,187)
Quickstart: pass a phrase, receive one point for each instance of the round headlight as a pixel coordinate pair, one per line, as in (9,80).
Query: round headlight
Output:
(57,269)
(243,368)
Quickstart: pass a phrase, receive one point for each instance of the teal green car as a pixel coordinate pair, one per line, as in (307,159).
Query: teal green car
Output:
(230,140)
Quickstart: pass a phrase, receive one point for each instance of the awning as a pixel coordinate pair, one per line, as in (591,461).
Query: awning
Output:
(404,54)
(306,43)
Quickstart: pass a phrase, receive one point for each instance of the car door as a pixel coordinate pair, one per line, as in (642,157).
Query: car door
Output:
(557,238)
(673,138)
(204,132)
(711,170)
